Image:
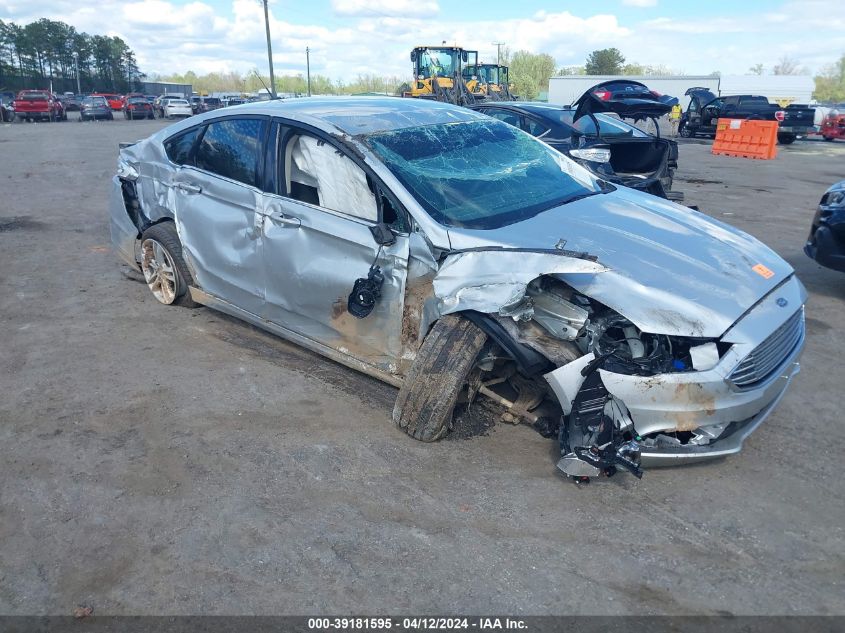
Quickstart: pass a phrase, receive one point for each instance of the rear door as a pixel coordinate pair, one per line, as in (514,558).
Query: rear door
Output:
(216,196)
(317,242)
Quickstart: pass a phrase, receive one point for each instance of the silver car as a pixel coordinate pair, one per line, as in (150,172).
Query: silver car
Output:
(456,257)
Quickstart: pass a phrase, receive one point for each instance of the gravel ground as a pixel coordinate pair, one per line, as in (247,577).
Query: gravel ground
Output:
(174,461)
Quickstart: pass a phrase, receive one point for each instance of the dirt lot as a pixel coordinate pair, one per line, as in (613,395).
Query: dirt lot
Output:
(173,461)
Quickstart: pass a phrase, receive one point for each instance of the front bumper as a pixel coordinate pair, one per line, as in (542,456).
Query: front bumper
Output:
(713,415)
(826,247)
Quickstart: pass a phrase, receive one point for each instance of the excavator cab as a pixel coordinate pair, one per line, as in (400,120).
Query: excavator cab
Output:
(488,81)
(438,74)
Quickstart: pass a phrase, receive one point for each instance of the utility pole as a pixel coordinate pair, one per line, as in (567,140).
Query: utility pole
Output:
(498,46)
(76,71)
(269,51)
(308,68)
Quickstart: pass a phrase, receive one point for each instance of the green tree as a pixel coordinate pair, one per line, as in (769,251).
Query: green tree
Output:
(607,61)
(530,72)
(830,82)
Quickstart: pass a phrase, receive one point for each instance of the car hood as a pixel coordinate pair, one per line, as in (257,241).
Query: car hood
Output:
(670,270)
(629,99)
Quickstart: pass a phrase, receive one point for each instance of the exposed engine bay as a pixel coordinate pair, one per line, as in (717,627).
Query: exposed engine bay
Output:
(595,431)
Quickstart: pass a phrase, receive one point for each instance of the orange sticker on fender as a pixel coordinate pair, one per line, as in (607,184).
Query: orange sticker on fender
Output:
(763,271)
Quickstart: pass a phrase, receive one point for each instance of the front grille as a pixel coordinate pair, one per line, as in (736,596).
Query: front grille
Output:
(767,357)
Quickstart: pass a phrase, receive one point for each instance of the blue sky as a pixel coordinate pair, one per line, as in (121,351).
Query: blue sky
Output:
(351,37)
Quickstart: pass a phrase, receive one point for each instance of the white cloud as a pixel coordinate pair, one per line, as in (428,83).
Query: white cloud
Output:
(372,8)
(640,3)
(168,36)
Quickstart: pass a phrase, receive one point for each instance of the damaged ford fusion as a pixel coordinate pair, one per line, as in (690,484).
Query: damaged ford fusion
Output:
(457,258)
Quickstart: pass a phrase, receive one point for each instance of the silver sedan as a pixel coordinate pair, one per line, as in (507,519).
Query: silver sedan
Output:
(457,257)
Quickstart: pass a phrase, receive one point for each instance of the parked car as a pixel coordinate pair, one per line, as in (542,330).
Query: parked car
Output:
(94,108)
(232,101)
(40,105)
(138,108)
(177,107)
(160,102)
(453,255)
(70,102)
(705,110)
(115,101)
(619,153)
(207,104)
(826,243)
(7,109)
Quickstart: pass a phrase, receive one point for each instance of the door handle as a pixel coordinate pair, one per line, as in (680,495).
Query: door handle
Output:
(285,220)
(188,187)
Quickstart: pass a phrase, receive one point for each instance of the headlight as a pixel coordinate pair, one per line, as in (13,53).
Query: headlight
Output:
(595,154)
(834,198)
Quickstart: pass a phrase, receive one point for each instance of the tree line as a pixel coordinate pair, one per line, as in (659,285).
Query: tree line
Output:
(31,55)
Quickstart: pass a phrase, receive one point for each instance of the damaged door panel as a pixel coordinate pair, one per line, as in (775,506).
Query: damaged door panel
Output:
(456,257)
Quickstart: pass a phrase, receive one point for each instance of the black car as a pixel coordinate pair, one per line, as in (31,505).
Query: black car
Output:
(826,243)
(705,109)
(619,153)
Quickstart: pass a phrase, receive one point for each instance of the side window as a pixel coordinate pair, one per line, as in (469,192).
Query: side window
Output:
(693,105)
(504,115)
(231,148)
(178,148)
(533,126)
(318,173)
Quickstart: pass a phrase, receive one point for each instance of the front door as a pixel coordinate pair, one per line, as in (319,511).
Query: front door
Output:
(217,199)
(317,242)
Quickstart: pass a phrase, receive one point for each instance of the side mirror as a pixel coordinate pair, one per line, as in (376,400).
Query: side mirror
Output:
(464,56)
(413,56)
(382,234)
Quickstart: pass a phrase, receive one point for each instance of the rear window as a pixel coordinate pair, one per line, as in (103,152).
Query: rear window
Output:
(212,100)
(33,96)
(138,100)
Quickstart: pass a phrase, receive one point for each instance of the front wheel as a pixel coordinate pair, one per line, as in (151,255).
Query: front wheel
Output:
(165,271)
(427,398)
(685,131)
(828,138)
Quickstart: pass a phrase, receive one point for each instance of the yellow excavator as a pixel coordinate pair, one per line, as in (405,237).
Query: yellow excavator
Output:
(438,74)
(488,82)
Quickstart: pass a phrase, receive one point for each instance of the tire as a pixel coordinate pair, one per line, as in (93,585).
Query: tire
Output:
(828,138)
(427,398)
(786,139)
(165,271)
(685,132)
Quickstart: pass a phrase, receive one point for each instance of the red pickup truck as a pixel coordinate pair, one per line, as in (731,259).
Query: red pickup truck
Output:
(40,105)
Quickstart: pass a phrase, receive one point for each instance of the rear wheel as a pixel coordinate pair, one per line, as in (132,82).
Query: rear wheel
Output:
(165,271)
(786,139)
(427,398)
(828,138)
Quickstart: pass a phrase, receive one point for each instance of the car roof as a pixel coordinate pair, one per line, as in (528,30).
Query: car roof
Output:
(362,115)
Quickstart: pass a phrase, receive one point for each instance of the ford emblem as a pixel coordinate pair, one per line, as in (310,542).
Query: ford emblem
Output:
(782,302)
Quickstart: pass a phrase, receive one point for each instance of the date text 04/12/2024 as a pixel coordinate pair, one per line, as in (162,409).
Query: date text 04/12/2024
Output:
(417,624)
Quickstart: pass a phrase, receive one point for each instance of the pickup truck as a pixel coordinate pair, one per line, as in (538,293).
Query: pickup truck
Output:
(38,104)
(705,110)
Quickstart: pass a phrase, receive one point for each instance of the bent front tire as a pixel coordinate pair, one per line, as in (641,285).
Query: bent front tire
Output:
(165,271)
(427,398)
